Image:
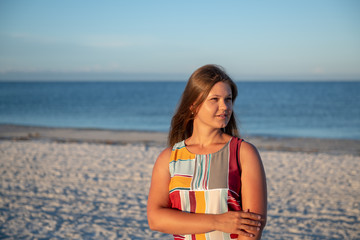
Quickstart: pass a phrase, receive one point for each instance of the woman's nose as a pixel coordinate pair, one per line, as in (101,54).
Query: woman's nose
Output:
(224,105)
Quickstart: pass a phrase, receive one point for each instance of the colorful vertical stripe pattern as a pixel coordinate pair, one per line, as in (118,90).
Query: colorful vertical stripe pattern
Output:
(208,183)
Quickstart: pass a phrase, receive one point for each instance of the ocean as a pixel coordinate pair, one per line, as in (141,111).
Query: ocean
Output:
(278,109)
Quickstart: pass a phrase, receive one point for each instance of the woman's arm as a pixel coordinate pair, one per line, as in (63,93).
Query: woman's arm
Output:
(253,184)
(165,219)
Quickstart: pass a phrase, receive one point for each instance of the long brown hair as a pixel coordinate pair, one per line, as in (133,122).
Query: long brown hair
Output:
(197,89)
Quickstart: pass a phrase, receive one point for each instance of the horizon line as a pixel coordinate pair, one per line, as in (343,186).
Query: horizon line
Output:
(51,76)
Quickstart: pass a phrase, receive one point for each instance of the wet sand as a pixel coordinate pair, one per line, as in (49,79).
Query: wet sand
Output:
(17,132)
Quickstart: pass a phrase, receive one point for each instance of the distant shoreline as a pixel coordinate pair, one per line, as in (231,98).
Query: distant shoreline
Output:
(107,136)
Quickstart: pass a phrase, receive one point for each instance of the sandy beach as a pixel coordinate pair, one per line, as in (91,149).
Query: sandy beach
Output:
(58,183)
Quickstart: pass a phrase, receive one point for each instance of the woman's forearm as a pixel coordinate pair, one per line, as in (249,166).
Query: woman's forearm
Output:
(173,221)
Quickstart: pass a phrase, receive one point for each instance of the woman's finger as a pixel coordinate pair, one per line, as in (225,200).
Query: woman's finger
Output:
(250,215)
(248,228)
(246,234)
(250,222)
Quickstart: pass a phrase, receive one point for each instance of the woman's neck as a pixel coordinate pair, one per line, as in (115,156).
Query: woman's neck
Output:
(207,137)
(206,143)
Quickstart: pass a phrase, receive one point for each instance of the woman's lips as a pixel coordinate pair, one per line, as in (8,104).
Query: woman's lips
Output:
(222,115)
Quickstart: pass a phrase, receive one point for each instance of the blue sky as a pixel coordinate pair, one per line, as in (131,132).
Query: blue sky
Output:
(168,40)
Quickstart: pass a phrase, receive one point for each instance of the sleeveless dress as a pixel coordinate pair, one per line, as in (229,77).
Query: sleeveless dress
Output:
(206,183)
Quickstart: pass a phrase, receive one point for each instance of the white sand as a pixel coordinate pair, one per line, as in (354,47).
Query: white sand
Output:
(96,191)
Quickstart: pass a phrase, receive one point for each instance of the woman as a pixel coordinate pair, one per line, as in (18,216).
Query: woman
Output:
(208,184)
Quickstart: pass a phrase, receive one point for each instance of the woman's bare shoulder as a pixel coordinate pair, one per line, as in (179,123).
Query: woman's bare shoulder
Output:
(166,152)
(249,152)
(164,156)
(248,147)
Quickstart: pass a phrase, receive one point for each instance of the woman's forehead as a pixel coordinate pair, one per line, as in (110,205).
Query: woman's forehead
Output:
(221,88)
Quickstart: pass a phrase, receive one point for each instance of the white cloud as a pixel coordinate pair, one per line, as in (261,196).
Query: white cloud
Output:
(108,44)
(318,70)
(97,41)
(115,41)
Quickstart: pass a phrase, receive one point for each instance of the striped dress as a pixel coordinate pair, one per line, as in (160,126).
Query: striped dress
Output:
(206,183)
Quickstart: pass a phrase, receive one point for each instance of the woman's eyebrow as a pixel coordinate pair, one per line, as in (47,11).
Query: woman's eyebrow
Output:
(218,95)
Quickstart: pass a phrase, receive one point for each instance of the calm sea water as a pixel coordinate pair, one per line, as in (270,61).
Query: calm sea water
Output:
(299,109)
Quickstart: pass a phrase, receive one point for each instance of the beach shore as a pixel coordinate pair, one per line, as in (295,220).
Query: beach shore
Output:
(316,145)
(61,183)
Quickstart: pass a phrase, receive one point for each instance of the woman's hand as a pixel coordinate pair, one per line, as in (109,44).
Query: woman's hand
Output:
(239,222)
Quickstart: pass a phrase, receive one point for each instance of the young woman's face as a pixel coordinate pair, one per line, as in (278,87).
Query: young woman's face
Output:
(216,110)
